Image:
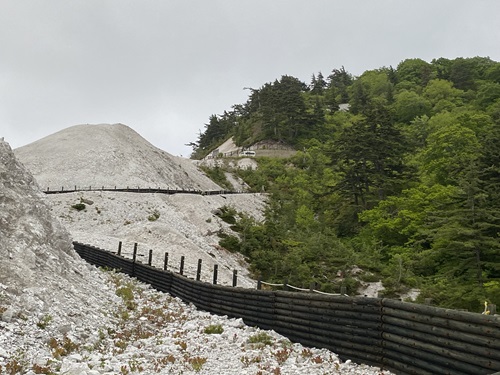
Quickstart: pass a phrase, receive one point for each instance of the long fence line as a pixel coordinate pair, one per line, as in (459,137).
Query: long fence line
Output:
(140,190)
(405,338)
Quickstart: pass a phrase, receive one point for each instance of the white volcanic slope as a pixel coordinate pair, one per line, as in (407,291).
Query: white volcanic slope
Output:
(60,315)
(107,155)
(115,155)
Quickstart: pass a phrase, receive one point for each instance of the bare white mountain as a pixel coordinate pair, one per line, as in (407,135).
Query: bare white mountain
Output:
(107,155)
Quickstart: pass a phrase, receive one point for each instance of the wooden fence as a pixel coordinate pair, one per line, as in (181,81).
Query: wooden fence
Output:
(405,338)
(150,190)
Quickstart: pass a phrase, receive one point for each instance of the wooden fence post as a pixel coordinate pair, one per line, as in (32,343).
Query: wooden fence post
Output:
(181,270)
(259,283)
(150,258)
(165,262)
(134,256)
(198,271)
(120,248)
(216,271)
(235,278)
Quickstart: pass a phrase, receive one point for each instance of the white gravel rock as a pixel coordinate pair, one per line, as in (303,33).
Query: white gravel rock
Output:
(62,316)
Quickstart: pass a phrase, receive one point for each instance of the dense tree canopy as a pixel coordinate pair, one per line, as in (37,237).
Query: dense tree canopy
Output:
(405,184)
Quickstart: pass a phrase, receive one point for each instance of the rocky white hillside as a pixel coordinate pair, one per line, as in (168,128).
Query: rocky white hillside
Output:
(59,315)
(115,155)
(180,224)
(107,155)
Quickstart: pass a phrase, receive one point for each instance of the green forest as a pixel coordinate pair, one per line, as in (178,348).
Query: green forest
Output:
(404,185)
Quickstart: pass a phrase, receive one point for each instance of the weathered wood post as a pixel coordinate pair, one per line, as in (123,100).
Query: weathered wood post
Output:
(285,284)
(150,258)
(235,278)
(119,248)
(343,290)
(198,271)
(165,262)
(216,271)
(134,256)
(181,270)
(259,283)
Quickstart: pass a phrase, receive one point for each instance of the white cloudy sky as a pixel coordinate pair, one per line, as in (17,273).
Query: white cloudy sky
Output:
(164,66)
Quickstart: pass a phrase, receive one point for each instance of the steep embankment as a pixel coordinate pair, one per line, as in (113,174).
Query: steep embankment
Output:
(41,277)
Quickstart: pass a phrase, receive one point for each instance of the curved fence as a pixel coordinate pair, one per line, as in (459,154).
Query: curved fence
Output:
(405,338)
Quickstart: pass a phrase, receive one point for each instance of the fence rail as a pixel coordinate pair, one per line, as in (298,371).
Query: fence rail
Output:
(405,338)
(128,189)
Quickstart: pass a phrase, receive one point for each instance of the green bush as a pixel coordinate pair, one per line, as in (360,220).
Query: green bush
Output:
(218,176)
(231,243)
(214,329)
(79,206)
(261,338)
(154,216)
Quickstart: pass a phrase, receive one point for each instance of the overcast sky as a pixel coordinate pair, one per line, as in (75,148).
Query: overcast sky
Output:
(163,67)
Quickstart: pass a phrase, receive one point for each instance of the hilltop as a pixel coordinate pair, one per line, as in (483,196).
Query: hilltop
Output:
(107,155)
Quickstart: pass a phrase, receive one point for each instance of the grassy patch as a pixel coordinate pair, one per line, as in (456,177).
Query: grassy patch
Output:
(214,329)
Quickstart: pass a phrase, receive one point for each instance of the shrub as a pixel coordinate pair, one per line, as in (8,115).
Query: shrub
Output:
(44,322)
(231,243)
(261,338)
(214,329)
(78,206)
(127,294)
(154,216)
(197,363)
(227,214)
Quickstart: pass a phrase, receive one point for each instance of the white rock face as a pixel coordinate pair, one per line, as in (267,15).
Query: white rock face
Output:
(32,243)
(107,155)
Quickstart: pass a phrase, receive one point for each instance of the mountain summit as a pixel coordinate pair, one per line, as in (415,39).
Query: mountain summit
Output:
(107,155)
